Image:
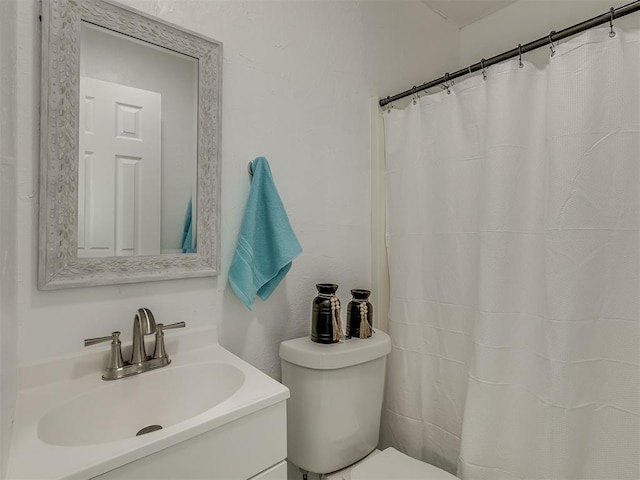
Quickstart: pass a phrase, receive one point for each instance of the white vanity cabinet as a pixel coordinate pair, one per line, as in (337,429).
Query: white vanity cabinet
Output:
(251,447)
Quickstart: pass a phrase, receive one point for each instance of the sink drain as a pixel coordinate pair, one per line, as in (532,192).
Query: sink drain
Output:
(149,429)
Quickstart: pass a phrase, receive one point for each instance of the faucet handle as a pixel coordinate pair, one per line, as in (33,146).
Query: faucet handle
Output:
(114,338)
(115,362)
(159,351)
(174,325)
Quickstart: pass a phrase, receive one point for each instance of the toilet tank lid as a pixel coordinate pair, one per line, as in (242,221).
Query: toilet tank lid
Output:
(305,353)
(390,463)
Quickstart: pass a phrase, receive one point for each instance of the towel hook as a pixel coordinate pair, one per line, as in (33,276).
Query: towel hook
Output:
(611,33)
(250,169)
(553,51)
(520,56)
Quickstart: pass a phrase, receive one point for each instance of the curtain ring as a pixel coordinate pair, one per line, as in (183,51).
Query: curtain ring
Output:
(415,95)
(484,73)
(611,32)
(553,51)
(446,84)
(520,56)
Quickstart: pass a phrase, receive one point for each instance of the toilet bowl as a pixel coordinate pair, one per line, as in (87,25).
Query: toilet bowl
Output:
(392,464)
(333,413)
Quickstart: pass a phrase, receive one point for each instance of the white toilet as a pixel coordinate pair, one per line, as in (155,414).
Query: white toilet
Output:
(333,414)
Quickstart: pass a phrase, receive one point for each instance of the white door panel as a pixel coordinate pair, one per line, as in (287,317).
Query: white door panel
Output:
(119,171)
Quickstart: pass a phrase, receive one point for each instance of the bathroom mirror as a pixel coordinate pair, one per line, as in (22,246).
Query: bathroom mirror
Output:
(130,141)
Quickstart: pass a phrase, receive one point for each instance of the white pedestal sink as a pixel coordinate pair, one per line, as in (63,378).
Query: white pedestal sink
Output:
(219,417)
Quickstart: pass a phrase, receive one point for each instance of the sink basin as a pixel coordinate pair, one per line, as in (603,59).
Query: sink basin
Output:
(119,409)
(214,408)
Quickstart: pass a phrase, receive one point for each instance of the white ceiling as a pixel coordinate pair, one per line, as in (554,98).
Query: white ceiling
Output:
(464,12)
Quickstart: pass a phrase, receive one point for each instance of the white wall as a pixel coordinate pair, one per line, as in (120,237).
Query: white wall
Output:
(8,273)
(529,20)
(297,77)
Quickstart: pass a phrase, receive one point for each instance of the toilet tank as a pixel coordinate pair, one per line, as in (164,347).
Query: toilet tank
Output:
(333,414)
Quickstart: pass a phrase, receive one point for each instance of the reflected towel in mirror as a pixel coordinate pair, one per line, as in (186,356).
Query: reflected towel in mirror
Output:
(187,234)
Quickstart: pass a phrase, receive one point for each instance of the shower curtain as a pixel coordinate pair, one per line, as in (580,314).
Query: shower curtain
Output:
(514,254)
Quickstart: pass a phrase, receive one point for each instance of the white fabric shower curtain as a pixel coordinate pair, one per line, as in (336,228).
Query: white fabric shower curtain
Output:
(514,254)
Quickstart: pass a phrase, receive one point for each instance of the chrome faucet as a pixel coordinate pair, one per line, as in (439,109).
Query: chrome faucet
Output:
(143,324)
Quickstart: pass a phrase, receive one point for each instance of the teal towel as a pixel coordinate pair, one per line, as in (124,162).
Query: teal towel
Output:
(187,234)
(266,244)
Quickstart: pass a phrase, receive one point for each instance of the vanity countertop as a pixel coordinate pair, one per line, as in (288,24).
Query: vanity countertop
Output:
(48,386)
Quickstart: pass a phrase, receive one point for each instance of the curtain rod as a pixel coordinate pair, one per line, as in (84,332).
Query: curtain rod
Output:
(518,51)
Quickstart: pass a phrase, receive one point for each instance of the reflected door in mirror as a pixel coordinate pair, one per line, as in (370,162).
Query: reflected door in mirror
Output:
(119,173)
